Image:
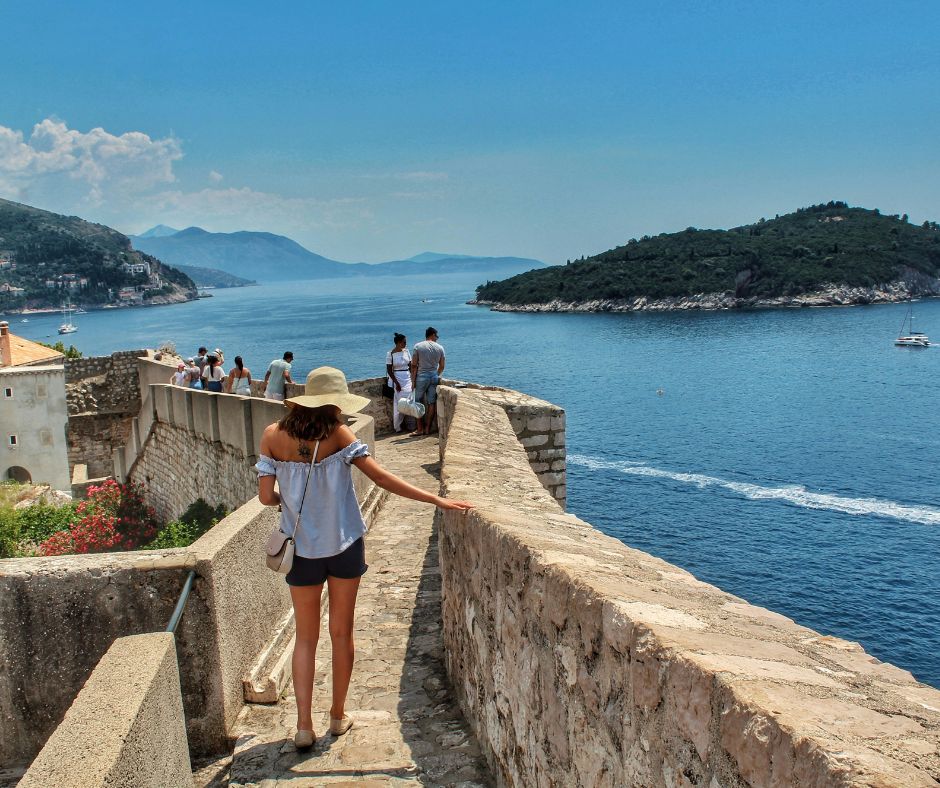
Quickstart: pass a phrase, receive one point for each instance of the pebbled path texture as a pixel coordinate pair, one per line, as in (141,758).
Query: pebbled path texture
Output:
(408,727)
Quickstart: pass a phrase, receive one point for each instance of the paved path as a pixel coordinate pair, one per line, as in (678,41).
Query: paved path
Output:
(409,730)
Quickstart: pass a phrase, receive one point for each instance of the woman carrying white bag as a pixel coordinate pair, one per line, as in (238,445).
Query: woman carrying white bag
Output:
(398,367)
(310,453)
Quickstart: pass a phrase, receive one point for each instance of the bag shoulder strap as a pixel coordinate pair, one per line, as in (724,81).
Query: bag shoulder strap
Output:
(303,497)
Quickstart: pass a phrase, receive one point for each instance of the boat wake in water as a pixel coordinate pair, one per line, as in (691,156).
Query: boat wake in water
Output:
(792,494)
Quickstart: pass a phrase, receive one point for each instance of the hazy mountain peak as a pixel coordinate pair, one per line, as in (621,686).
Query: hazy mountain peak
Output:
(430,257)
(159,231)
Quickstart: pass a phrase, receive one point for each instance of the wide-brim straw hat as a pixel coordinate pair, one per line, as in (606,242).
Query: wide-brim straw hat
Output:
(327,386)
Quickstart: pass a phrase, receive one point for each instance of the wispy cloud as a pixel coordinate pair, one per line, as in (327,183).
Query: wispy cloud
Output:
(418,176)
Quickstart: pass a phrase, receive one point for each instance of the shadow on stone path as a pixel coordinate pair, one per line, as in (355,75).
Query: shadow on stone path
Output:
(409,729)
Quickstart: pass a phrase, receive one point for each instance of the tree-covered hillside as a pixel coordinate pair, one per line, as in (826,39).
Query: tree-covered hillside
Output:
(46,258)
(785,256)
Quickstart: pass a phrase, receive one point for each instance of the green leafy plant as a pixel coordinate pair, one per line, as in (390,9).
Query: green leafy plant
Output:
(198,518)
(70,352)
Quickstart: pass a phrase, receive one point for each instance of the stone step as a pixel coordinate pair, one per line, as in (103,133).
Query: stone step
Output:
(270,674)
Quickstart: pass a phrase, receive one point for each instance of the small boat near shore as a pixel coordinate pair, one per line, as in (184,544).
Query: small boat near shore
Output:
(911,338)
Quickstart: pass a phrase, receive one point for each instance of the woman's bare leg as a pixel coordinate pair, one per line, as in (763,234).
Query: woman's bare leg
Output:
(342,598)
(307,617)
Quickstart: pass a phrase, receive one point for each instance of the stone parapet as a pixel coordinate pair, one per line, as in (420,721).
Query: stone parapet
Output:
(126,726)
(538,425)
(582,662)
(65,612)
(204,445)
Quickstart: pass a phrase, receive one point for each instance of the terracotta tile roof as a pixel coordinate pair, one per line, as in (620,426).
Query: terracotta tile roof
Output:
(23,352)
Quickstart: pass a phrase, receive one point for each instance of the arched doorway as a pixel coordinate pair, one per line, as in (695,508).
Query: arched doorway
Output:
(19,474)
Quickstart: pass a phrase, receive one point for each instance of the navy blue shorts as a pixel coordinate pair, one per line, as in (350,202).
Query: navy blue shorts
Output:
(349,564)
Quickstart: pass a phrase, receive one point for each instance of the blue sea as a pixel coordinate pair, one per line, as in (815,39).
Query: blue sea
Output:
(787,456)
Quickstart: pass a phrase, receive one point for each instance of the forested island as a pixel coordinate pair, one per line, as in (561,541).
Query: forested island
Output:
(826,254)
(47,260)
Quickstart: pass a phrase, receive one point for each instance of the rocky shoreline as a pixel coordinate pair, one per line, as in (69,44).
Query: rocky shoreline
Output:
(831,295)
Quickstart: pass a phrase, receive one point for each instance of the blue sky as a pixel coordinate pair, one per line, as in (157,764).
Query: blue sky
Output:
(371,131)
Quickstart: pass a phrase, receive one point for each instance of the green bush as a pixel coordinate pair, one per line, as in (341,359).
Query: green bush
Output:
(39,521)
(193,523)
(10,536)
(175,534)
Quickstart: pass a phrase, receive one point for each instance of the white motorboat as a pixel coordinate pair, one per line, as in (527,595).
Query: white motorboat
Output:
(911,338)
(68,327)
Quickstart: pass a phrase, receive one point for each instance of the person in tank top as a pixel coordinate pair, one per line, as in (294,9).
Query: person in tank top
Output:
(310,453)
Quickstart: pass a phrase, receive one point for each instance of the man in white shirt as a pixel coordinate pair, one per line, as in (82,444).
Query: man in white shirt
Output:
(427,364)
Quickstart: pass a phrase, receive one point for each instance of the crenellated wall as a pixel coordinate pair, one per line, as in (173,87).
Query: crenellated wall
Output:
(582,662)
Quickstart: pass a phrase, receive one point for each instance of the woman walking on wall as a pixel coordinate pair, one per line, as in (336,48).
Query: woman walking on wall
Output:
(310,453)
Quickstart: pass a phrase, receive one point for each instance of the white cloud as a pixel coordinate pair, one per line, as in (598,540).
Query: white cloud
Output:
(90,167)
(124,180)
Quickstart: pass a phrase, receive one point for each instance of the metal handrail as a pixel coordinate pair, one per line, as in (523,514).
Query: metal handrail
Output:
(181,602)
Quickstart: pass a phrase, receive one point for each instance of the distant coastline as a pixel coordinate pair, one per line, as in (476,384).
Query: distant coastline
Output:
(835,295)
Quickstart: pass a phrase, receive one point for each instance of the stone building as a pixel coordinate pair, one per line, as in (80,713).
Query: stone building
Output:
(33,413)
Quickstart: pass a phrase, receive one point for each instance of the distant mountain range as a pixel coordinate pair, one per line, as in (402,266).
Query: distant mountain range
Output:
(267,257)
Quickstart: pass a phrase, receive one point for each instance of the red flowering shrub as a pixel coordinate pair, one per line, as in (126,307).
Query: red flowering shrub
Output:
(113,517)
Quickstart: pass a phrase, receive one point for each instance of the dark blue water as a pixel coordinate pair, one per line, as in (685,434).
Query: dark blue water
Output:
(790,458)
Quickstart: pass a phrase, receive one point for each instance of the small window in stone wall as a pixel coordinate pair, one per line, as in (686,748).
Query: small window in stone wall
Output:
(8,393)
(45,437)
(12,440)
(41,390)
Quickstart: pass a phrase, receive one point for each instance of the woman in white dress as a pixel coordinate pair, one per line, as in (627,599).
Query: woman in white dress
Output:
(398,367)
(239,379)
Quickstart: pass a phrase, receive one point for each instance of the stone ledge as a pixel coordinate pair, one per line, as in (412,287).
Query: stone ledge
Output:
(581,661)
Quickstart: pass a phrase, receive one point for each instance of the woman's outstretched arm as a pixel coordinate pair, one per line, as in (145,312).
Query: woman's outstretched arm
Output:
(389,481)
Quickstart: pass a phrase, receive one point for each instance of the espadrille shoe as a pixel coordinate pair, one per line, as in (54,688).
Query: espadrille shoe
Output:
(339,727)
(304,740)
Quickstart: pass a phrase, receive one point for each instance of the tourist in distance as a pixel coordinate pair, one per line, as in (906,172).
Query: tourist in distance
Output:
(277,376)
(213,374)
(398,367)
(201,359)
(181,376)
(309,452)
(239,379)
(219,355)
(427,364)
(195,374)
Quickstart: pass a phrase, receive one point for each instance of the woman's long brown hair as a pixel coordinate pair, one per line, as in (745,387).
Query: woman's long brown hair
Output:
(310,424)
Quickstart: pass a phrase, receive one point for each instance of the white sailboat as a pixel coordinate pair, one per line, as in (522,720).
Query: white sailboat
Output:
(911,338)
(68,327)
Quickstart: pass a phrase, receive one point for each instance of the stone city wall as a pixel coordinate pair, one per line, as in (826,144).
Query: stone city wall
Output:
(204,445)
(582,662)
(103,395)
(126,726)
(58,616)
(538,425)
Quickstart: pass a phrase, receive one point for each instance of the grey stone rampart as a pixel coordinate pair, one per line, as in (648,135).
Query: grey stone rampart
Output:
(539,426)
(582,662)
(58,616)
(104,395)
(125,728)
(204,445)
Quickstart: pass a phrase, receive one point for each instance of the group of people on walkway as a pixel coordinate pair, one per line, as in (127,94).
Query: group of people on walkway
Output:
(205,371)
(415,374)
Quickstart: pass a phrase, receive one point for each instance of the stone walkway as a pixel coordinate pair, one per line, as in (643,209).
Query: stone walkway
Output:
(409,729)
